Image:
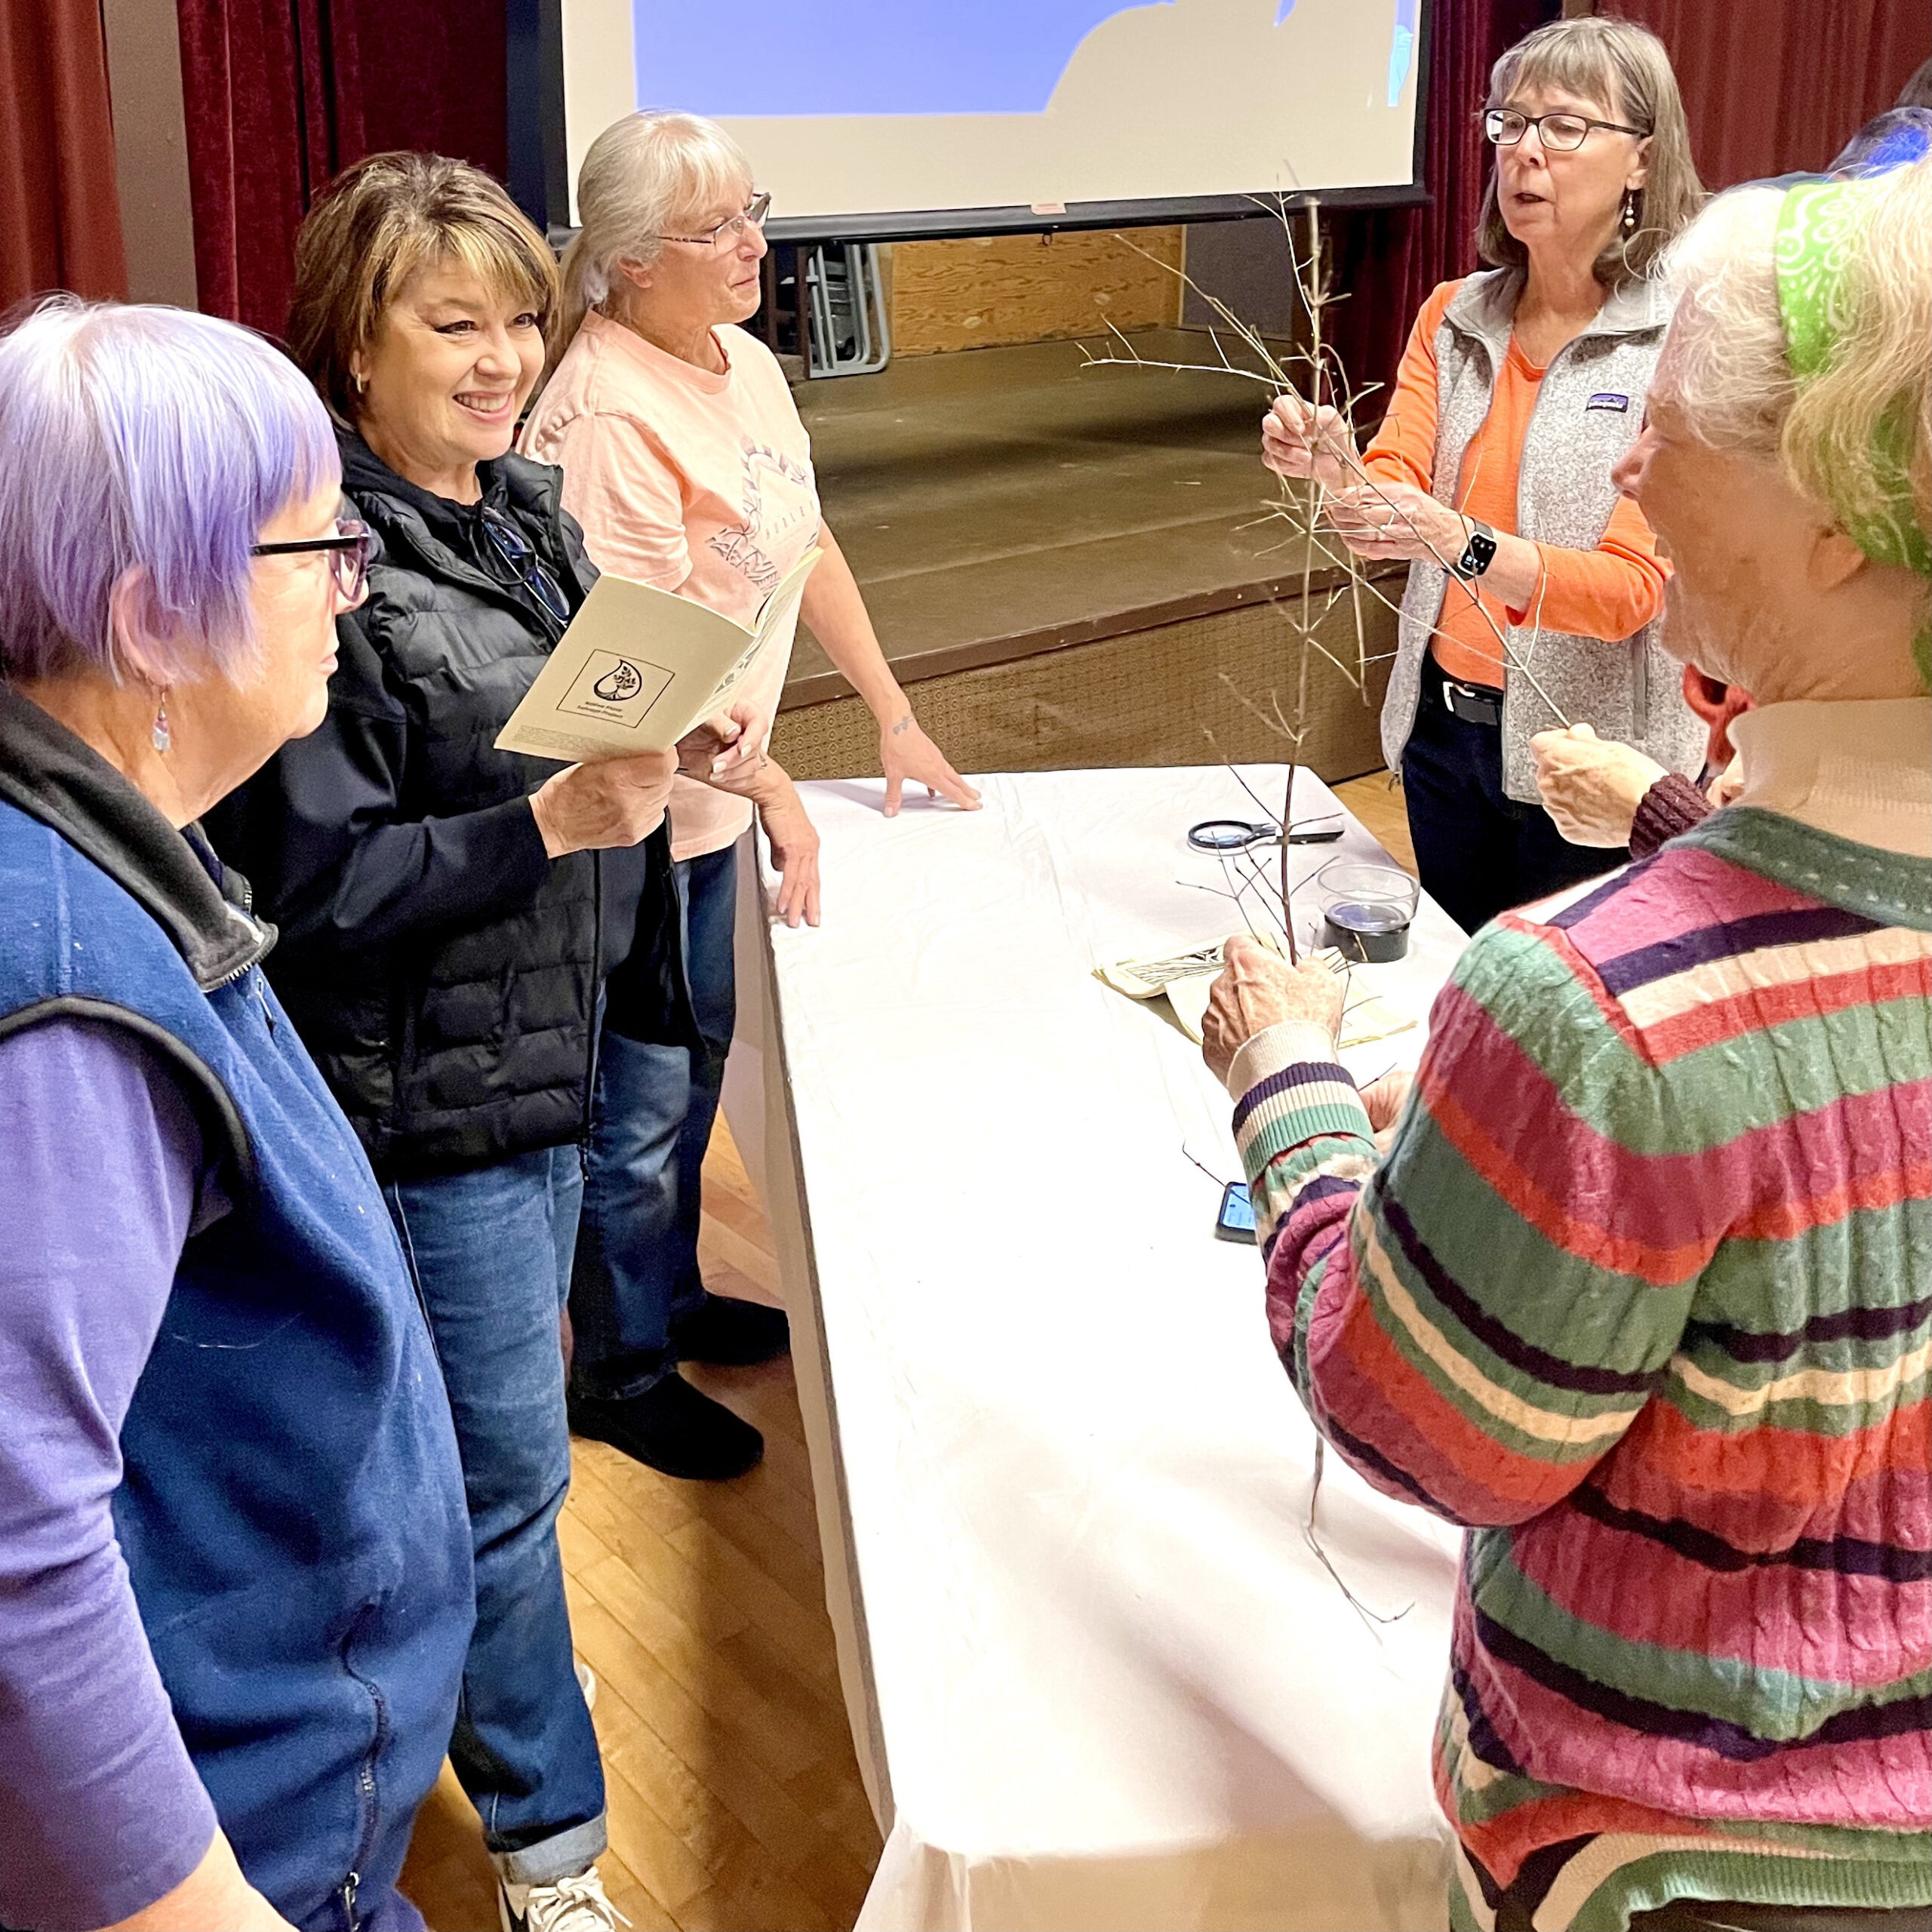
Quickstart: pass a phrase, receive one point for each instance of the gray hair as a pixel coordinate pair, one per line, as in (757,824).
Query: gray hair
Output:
(1625,67)
(1724,366)
(642,176)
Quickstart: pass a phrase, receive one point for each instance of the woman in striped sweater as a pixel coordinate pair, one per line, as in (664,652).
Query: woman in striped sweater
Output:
(1641,1291)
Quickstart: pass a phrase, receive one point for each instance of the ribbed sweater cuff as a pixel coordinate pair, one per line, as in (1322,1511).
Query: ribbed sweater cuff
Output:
(1668,810)
(1290,1087)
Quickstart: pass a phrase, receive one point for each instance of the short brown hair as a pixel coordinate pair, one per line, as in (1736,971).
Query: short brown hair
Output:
(1625,68)
(373,226)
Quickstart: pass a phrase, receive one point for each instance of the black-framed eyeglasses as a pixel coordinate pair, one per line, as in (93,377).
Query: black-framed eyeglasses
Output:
(1561,133)
(511,544)
(348,551)
(733,226)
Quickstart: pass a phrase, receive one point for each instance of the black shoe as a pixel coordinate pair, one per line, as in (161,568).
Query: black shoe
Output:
(674,1428)
(730,1334)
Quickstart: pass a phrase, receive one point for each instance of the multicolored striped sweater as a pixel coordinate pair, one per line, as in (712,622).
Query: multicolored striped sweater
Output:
(1641,1293)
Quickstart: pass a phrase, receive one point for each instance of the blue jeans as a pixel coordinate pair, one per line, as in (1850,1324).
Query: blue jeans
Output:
(491,1250)
(637,1265)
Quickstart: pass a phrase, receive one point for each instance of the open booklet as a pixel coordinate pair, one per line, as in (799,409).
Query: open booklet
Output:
(639,667)
(1185,978)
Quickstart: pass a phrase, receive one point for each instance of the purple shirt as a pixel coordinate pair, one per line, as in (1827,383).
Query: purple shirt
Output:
(102,1180)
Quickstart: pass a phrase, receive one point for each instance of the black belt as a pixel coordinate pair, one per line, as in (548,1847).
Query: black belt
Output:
(1475,704)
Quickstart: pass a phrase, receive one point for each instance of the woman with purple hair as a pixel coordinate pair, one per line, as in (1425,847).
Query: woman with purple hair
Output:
(235,1567)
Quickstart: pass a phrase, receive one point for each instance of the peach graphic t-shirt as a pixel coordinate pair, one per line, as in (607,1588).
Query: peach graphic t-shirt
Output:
(696,483)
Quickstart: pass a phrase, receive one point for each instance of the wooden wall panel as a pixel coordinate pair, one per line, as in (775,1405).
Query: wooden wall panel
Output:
(981,290)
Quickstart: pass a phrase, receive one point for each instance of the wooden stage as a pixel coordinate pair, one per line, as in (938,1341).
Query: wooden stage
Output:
(1061,560)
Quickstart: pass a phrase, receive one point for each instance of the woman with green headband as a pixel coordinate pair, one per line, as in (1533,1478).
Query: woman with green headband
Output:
(1604,794)
(1637,1285)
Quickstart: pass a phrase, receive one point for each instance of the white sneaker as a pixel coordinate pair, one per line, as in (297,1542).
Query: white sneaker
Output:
(586,1681)
(571,1905)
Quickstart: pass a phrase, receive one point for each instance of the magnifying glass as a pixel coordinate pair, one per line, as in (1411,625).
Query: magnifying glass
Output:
(1238,835)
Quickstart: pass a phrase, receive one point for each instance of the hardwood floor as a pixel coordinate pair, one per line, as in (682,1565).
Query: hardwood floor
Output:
(734,1800)
(1376,801)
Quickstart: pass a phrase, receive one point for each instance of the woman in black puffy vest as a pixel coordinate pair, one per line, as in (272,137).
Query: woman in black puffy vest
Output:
(453,917)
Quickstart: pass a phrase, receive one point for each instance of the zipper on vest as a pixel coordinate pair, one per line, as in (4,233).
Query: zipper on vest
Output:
(596,1006)
(365,1770)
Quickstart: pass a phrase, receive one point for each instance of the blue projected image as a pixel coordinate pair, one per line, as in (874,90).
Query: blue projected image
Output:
(1401,48)
(862,56)
(889,57)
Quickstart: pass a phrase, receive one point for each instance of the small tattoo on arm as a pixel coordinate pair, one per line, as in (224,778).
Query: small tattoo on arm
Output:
(904,725)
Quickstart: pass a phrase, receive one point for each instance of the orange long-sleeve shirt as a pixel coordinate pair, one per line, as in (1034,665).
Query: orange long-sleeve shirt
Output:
(1609,592)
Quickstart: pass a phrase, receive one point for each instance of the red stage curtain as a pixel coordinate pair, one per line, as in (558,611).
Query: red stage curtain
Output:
(281,94)
(1773,87)
(59,213)
(1388,259)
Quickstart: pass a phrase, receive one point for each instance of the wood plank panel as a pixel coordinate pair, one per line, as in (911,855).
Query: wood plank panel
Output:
(979,290)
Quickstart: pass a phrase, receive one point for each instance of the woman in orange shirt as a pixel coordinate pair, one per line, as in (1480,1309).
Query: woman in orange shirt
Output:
(1534,591)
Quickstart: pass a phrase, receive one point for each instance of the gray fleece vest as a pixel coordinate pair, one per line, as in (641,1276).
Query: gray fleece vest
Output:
(1588,409)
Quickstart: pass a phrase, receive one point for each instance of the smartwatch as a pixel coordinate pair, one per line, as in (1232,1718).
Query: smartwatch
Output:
(1477,554)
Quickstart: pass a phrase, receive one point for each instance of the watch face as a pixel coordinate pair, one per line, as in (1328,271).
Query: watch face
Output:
(1477,556)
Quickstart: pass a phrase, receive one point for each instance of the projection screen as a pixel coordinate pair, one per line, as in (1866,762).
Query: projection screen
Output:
(892,119)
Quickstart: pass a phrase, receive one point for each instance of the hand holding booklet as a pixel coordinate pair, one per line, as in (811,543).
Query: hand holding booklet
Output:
(639,668)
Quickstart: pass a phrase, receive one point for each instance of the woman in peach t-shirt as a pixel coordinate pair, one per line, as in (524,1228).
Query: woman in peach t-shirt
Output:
(685,462)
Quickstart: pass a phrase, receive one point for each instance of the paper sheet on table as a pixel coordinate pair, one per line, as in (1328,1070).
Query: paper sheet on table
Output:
(639,667)
(1186,978)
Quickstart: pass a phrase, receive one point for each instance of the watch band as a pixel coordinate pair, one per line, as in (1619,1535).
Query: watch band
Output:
(1478,553)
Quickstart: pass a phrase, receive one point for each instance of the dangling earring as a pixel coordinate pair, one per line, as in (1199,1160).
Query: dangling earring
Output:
(361,384)
(1629,213)
(164,739)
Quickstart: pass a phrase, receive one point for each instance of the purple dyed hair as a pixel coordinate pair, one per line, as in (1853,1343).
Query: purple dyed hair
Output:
(146,444)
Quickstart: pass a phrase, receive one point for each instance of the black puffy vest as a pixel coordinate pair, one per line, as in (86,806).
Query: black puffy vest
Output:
(457,1044)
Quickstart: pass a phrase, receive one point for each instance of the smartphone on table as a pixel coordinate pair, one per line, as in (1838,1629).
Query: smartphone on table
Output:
(1235,1222)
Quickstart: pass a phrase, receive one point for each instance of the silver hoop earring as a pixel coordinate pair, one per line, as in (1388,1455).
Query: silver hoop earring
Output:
(163,738)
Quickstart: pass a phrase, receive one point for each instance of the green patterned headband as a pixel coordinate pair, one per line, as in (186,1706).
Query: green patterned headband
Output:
(1817,229)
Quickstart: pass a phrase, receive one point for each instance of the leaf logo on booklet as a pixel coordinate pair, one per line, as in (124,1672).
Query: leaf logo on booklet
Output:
(626,680)
(621,691)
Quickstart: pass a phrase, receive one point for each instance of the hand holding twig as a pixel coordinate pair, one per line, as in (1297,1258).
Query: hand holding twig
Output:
(1257,989)
(1299,439)
(1591,786)
(1395,522)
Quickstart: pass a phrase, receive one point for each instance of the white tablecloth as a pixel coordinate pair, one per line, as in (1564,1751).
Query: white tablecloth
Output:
(1096,1677)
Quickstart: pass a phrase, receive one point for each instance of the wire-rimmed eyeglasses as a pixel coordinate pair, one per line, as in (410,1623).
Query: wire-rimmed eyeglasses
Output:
(1561,134)
(1238,835)
(732,227)
(348,551)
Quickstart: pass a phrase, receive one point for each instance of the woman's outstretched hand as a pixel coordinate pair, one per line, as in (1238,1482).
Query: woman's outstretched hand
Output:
(911,757)
(795,847)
